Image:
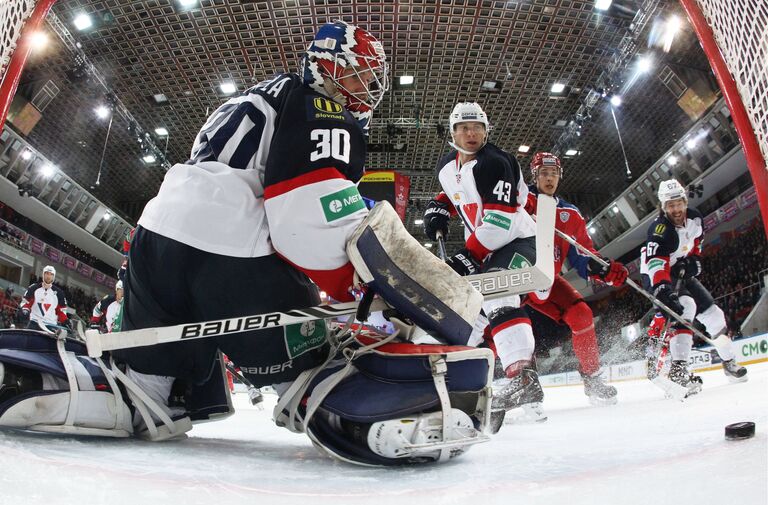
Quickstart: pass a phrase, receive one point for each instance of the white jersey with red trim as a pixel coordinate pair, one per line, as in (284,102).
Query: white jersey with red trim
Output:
(489,195)
(45,305)
(272,170)
(668,243)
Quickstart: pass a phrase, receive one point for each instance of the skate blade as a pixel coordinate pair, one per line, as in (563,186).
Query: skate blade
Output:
(736,380)
(671,389)
(531,413)
(602,402)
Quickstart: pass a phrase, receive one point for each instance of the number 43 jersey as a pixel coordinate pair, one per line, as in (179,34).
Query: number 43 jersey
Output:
(272,170)
(489,195)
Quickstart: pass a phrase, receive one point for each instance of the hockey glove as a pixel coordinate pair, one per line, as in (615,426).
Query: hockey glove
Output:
(23,315)
(686,268)
(463,263)
(614,274)
(436,219)
(668,297)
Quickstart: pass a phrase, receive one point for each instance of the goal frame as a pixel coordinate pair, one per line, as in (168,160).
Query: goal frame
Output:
(744,129)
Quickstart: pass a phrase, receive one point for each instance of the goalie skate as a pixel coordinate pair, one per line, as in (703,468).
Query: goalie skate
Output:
(422,436)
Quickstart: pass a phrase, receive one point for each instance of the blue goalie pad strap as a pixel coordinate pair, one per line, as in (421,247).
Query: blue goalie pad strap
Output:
(399,290)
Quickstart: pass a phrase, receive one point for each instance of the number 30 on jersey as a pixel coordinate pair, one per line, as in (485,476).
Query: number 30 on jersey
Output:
(331,144)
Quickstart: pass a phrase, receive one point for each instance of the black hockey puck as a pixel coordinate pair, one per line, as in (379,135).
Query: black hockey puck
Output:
(740,431)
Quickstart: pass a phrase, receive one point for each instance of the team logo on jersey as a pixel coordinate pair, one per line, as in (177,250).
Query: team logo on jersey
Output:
(519,261)
(341,203)
(44,307)
(564,216)
(498,220)
(326,109)
(300,338)
(325,105)
(659,230)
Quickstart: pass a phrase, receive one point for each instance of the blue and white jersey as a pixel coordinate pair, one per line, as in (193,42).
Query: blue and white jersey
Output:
(272,170)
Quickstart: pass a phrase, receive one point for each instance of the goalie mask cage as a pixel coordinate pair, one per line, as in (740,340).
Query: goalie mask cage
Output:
(733,34)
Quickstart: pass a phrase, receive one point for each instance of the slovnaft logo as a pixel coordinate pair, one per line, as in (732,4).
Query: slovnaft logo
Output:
(341,203)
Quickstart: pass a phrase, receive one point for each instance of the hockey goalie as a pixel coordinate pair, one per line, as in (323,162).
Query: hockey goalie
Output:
(264,213)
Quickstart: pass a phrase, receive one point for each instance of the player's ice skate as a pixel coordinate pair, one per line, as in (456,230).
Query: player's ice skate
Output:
(597,391)
(734,371)
(521,392)
(679,374)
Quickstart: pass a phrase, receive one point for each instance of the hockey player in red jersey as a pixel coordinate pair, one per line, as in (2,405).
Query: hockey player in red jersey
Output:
(562,302)
(264,212)
(672,253)
(484,187)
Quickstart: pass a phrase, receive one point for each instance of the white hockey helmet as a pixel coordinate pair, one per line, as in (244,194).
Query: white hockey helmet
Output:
(465,112)
(671,190)
(49,268)
(119,285)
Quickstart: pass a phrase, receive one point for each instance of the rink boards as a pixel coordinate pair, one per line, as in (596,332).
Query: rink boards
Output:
(748,350)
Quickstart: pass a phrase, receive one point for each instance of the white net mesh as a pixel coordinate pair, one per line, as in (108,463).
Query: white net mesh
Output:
(13,14)
(741,33)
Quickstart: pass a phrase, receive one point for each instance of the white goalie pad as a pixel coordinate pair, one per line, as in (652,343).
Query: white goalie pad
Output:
(411,279)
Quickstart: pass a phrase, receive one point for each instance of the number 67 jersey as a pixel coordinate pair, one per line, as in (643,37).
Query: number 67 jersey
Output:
(271,170)
(489,195)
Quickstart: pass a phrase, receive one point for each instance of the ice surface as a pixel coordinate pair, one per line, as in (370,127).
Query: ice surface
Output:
(644,450)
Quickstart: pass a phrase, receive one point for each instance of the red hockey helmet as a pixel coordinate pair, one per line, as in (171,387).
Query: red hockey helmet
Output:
(544,159)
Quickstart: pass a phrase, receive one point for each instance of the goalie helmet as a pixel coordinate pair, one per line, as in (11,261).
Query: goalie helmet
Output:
(671,190)
(340,46)
(465,112)
(543,159)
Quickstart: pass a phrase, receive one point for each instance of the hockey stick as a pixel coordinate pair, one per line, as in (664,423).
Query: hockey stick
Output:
(491,285)
(441,246)
(253,392)
(643,292)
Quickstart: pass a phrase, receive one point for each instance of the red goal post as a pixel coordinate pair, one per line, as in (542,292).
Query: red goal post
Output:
(18,20)
(734,36)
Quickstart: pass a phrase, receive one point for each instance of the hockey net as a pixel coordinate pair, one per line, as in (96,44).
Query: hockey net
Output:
(740,28)
(17,18)
(734,36)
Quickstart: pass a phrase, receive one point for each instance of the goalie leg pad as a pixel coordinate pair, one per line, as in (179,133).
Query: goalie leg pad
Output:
(411,279)
(403,404)
(68,392)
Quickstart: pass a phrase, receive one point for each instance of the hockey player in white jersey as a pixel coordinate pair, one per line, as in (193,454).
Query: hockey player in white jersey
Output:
(266,211)
(483,185)
(44,303)
(107,312)
(672,253)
